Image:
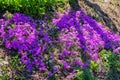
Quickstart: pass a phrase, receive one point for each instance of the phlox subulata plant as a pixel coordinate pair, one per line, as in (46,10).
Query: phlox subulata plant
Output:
(59,51)
(20,33)
(91,35)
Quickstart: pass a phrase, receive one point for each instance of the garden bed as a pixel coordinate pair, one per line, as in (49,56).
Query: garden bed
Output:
(70,40)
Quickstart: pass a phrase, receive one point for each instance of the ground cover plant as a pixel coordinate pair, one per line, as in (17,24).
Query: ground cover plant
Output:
(27,6)
(73,46)
(34,8)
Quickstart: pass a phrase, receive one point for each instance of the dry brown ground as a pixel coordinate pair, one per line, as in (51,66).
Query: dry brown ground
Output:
(107,11)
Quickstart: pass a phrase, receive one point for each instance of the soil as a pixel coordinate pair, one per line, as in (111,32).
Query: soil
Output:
(106,10)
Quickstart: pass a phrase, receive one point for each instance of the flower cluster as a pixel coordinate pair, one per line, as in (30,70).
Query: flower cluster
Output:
(20,33)
(42,48)
(90,35)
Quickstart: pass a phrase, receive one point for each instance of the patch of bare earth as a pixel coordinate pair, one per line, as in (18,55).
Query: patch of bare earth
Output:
(108,11)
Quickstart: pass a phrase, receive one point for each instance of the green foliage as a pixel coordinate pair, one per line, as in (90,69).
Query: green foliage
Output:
(15,66)
(4,77)
(104,55)
(79,75)
(20,78)
(4,67)
(114,62)
(94,66)
(85,75)
(4,74)
(109,59)
(61,5)
(8,15)
(110,63)
(14,63)
(32,7)
(35,8)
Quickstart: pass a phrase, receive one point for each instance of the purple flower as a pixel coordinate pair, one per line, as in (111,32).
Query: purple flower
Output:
(65,64)
(50,73)
(55,68)
(79,63)
(25,38)
(117,50)
(8,45)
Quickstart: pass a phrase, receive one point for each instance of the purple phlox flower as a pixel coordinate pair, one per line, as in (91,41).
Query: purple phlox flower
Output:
(117,50)
(55,68)
(8,45)
(79,63)
(65,64)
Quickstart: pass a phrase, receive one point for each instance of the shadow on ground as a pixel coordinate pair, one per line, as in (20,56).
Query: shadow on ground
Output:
(107,20)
